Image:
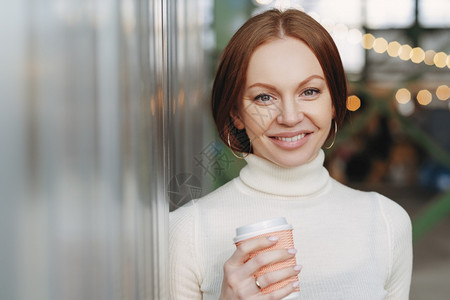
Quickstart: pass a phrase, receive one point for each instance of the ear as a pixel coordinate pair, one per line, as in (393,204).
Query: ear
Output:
(237,122)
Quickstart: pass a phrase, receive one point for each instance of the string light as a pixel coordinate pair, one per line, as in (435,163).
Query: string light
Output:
(403,96)
(340,31)
(429,56)
(417,55)
(328,24)
(353,103)
(443,92)
(355,36)
(394,48)
(440,59)
(424,97)
(367,41)
(380,45)
(405,52)
(314,15)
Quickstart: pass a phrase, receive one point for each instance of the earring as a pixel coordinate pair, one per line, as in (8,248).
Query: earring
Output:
(334,138)
(229,146)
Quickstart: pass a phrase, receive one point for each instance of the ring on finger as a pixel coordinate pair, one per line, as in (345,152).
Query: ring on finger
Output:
(257,283)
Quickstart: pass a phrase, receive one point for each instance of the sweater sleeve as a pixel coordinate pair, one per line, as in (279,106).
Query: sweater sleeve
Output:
(184,275)
(399,232)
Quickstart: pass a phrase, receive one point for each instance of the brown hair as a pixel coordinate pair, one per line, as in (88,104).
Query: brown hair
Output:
(231,74)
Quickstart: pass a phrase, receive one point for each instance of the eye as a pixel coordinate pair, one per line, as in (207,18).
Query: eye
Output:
(311,92)
(264,98)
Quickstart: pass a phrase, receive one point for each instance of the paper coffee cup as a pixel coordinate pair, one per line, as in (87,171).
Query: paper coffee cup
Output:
(271,227)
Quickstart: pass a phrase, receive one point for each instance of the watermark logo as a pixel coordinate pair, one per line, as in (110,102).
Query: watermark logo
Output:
(264,113)
(183,188)
(213,160)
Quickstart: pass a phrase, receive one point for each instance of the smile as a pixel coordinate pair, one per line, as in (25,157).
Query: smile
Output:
(290,139)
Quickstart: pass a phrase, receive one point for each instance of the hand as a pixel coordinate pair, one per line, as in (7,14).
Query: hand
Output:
(239,281)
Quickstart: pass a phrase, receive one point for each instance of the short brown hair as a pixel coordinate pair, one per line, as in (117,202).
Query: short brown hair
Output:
(231,74)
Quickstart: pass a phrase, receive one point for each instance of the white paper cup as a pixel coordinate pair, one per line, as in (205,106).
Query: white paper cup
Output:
(271,227)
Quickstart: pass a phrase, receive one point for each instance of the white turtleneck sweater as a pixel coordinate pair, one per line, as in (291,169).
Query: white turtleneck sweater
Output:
(351,244)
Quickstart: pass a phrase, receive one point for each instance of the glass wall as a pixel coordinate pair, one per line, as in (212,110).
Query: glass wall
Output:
(92,111)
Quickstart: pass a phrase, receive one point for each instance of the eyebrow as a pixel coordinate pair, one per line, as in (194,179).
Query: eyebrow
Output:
(269,86)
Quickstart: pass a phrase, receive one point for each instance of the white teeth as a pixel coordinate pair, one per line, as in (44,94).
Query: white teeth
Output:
(291,139)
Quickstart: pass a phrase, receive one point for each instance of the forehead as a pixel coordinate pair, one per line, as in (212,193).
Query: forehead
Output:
(284,60)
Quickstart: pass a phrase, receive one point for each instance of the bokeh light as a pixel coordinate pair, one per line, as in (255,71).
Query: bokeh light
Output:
(440,60)
(315,16)
(353,103)
(429,56)
(367,41)
(328,24)
(405,52)
(443,92)
(424,97)
(394,48)
(380,45)
(354,36)
(417,55)
(340,31)
(403,96)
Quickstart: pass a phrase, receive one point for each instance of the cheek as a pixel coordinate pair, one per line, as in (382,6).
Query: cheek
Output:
(257,118)
(252,126)
(326,109)
(320,113)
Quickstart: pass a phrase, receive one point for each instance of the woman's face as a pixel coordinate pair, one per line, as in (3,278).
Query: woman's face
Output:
(286,108)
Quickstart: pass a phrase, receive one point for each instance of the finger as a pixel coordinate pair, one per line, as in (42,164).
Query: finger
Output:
(268,258)
(275,276)
(281,293)
(243,250)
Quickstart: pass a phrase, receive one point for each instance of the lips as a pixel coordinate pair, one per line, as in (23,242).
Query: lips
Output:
(290,140)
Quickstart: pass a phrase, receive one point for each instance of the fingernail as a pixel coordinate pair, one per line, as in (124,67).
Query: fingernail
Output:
(298,268)
(273,238)
(292,251)
(295,284)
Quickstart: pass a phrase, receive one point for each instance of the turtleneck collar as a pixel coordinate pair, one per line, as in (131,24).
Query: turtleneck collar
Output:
(265,176)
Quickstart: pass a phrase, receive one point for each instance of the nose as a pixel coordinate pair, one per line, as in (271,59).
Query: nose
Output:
(290,114)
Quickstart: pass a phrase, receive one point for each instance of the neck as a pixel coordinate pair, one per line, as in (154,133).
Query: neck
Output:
(265,176)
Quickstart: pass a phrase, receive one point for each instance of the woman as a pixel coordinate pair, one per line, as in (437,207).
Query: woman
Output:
(279,95)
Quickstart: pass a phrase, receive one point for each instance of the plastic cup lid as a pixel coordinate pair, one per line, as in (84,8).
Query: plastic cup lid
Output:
(254,229)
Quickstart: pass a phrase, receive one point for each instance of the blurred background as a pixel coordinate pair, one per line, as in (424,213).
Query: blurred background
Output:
(106,126)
